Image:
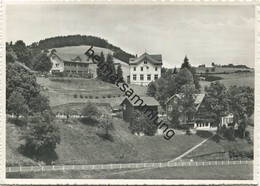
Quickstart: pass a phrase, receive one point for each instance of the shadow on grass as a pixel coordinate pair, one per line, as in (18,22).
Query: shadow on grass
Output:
(105,136)
(46,156)
(89,121)
(203,134)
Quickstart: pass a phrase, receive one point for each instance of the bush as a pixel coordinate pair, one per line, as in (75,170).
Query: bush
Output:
(104,96)
(229,134)
(240,155)
(142,124)
(81,96)
(90,97)
(97,97)
(41,138)
(75,96)
(86,97)
(108,96)
(90,113)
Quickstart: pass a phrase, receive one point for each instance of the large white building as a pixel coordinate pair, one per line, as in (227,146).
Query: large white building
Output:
(145,68)
(72,64)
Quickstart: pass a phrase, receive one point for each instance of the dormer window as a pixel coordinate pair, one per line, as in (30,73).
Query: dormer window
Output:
(156,68)
(134,68)
(145,61)
(142,68)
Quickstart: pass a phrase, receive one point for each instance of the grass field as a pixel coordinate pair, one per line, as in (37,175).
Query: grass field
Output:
(211,148)
(81,144)
(234,172)
(87,90)
(239,79)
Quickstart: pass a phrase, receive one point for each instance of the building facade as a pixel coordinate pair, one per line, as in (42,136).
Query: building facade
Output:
(145,69)
(72,65)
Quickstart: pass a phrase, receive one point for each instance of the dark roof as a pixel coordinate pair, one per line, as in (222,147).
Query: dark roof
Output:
(82,58)
(149,101)
(155,59)
(198,98)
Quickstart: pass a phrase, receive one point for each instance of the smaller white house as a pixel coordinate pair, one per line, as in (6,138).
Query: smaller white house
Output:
(227,120)
(145,69)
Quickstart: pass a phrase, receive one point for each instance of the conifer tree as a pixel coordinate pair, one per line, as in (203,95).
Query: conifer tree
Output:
(111,66)
(100,75)
(120,72)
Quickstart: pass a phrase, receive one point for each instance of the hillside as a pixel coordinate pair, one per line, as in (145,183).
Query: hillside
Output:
(239,79)
(77,40)
(62,91)
(82,144)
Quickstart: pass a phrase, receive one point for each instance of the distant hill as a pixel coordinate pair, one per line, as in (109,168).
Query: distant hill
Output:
(225,69)
(77,40)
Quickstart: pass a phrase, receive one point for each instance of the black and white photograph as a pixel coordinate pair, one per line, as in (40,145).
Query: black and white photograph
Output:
(146,91)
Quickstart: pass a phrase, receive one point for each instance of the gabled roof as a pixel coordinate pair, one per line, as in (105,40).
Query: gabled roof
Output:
(82,58)
(198,98)
(155,59)
(149,101)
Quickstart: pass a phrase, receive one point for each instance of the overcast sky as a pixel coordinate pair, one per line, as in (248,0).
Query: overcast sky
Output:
(204,33)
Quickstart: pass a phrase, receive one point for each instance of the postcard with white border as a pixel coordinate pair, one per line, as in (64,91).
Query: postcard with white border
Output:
(137,92)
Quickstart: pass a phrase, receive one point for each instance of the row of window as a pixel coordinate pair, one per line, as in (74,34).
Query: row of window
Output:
(75,65)
(74,71)
(142,68)
(142,77)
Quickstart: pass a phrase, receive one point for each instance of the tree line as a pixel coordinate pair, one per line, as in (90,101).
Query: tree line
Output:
(34,58)
(111,67)
(76,40)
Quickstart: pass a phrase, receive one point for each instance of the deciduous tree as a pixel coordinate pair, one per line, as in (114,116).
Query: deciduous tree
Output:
(42,62)
(216,101)
(16,104)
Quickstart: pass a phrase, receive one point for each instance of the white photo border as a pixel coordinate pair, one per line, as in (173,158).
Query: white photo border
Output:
(4,180)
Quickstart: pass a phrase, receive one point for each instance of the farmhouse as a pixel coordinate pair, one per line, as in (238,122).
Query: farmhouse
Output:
(72,64)
(145,68)
(128,106)
(195,121)
(199,120)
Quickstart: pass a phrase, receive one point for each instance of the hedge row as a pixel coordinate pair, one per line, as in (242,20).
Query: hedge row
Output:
(95,97)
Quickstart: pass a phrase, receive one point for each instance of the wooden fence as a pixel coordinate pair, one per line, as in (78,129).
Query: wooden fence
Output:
(123,166)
